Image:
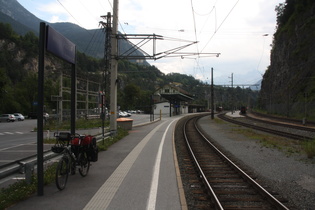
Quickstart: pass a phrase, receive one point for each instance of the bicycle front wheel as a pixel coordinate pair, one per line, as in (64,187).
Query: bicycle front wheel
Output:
(62,172)
(84,164)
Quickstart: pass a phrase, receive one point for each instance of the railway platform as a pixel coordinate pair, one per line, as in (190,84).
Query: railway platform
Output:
(234,114)
(138,172)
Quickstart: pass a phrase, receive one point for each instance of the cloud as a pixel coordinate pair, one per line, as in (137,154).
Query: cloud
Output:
(233,28)
(55,19)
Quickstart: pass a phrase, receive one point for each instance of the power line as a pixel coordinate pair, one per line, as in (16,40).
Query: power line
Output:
(206,13)
(194,21)
(213,9)
(86,8)
(220,25)
(95,40)
(91,35)
(69,12)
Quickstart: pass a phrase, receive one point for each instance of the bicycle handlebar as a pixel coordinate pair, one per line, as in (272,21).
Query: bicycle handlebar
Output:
(68,136)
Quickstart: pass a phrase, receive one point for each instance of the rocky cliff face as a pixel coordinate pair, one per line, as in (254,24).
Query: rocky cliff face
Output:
(291,74)
(16,54)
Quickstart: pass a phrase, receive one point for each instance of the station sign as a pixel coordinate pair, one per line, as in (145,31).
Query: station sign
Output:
(60,46)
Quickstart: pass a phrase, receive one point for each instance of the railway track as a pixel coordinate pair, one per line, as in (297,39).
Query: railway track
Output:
(282,123)
(281,119)
(268,130)
(224,184)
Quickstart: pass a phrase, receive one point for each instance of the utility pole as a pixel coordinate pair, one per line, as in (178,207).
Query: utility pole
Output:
(114,65)
(108,58)
(232,109)
(212,100)
(129,55)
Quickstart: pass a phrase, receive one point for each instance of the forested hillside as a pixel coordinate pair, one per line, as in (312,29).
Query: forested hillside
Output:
(136,83)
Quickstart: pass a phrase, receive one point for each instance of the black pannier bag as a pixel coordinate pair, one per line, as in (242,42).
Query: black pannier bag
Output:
(89,144)
(92,151)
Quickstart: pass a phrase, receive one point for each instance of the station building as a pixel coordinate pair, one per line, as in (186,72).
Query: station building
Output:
(171,100)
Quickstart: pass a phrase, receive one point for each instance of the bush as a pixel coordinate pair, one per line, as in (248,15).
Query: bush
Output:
(309,148)
(21,190)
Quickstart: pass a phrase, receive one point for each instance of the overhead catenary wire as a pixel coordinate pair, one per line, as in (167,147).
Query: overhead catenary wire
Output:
(198,66)
(220,25)
(194,21)
(94,42)
(91,41)
(92,35)
(69,12)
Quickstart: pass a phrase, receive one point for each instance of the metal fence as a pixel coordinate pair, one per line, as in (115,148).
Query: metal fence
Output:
(298,110)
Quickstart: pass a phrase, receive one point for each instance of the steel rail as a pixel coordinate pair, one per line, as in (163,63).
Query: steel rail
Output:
(257,186)
(268,130)
(298,127)
(279,118)
(214,197)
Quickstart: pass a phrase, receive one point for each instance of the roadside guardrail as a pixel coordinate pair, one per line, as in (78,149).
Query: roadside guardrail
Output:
(26,165)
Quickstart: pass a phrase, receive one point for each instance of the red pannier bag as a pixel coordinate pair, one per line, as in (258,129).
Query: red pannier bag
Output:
(91,148)
(86,141)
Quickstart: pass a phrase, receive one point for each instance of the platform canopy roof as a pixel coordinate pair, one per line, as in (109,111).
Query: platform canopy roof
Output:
(174,93)
(176,97)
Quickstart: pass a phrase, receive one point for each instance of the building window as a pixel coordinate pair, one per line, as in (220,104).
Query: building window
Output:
(166,90)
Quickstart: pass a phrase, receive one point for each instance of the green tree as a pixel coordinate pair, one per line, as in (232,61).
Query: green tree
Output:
(28,92)
(29,42)
(3,91)
(132,94)
(6,32)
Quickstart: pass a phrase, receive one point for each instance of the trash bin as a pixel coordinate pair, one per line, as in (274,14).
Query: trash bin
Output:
(125,123)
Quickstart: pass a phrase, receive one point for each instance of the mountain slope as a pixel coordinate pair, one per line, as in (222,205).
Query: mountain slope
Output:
(16,26)
(90,42)
(17,12)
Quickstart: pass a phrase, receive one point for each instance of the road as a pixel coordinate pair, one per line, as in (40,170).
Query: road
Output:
(17,139)
(17,133)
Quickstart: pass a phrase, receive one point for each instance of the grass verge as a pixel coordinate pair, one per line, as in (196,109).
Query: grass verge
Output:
(309,148)
(107,142)
(22,190)
(80,124)
(288,146)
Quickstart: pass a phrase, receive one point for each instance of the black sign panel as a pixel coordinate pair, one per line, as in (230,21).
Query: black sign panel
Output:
(60,46)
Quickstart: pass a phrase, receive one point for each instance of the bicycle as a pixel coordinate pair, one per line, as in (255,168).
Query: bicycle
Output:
(74,154)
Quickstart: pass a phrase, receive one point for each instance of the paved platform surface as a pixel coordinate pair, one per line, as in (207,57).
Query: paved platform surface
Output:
(234,114)
(138,172)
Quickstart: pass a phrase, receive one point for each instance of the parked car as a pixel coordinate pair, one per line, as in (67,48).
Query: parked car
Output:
(128,114)
(7,117)
(19,116)
(121,114)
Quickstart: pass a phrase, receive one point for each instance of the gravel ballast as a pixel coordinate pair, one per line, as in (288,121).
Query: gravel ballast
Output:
(293,177)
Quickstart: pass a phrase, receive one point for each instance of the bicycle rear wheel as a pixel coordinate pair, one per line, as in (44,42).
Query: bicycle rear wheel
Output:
(84,164)
(62,172)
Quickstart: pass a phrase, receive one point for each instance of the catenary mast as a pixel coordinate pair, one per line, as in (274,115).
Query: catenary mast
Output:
(114,67)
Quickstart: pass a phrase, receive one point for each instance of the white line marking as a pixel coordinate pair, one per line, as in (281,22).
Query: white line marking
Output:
(105,194)
(156,173)
(8,133)
(3,149)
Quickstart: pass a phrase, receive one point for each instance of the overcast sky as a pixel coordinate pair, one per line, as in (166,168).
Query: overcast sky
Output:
(237,29)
